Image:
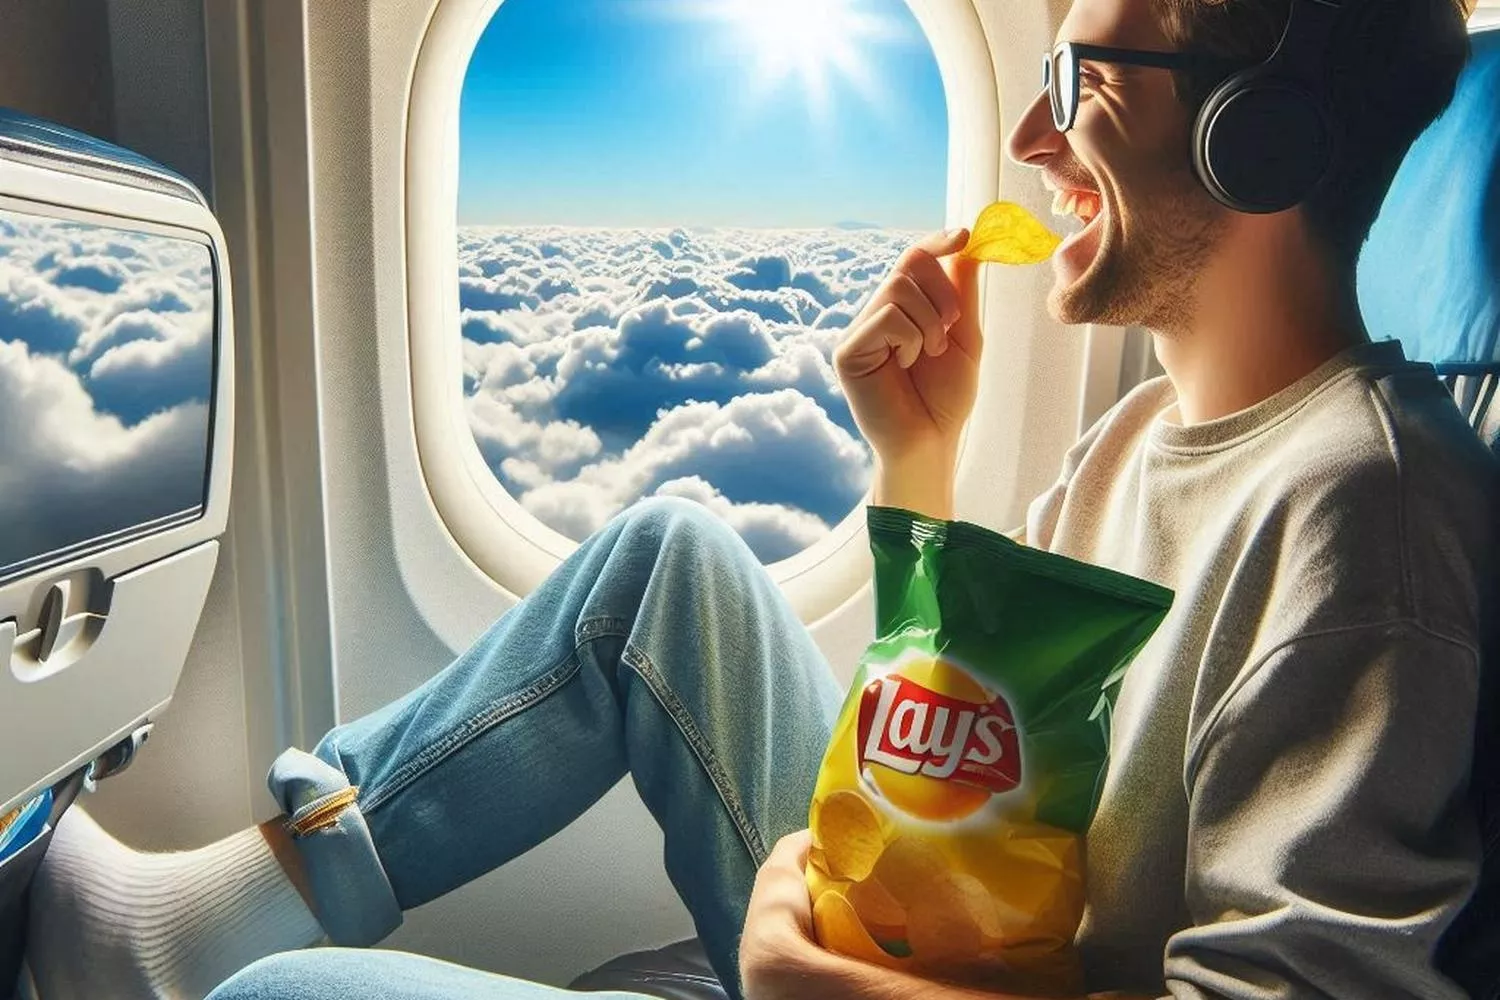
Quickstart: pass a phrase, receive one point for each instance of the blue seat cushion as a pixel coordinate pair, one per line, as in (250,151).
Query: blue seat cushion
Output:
(1429,275)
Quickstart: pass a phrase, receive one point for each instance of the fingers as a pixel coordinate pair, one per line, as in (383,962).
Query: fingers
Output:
(925,302)
(889,330)
(915,308)
(963,275)
(963,279)
(941,244)
(792,850)
(781,881)
(923,314)
(920,263)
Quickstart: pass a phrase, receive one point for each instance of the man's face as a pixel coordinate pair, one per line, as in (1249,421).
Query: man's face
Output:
(1125,168)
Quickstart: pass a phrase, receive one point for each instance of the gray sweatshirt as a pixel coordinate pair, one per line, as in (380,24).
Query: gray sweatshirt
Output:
(1284,813)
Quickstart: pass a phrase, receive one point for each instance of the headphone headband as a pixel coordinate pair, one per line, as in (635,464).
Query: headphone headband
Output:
(1304,40)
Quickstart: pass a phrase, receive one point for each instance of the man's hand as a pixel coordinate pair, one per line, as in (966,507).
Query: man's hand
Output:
(778,956)
(781,960)
(909,364)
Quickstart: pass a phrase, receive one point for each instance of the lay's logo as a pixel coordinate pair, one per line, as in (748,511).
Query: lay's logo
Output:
(913,730)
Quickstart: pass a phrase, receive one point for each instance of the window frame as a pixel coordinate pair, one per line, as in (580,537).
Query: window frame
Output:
(505,542)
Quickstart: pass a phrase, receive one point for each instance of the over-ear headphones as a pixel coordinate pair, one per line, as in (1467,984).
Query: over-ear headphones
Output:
(1265,138)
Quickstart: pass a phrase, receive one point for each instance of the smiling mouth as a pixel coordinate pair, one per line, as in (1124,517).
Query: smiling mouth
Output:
(1077,204)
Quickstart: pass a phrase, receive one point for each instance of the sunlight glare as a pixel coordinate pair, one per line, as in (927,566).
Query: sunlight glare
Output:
(810,41)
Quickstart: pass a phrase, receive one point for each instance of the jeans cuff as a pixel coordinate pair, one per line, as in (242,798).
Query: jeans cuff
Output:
(353,897)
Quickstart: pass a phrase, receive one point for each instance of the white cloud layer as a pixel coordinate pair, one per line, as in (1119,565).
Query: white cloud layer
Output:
(601,366)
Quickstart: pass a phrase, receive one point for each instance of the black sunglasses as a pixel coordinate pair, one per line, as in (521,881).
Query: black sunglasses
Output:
(1060,71)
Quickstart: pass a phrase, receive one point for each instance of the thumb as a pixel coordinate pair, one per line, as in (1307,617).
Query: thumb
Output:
(953,241)
(964,272)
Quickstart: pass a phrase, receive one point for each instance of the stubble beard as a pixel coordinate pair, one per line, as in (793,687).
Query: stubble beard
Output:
(1150,278)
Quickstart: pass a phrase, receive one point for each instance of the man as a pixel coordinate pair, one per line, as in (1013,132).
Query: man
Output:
(1284,813)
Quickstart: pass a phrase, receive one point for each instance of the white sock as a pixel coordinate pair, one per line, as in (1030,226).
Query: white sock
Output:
(108,921)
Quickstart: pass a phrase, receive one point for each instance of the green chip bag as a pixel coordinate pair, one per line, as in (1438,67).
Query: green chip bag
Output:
(950,809)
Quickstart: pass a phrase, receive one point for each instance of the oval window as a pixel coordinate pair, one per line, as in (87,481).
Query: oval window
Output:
(669,211)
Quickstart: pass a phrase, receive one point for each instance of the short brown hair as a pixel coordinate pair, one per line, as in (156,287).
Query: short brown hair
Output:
(1391,70)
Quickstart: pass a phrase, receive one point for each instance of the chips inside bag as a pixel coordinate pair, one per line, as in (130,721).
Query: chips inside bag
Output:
(964,768)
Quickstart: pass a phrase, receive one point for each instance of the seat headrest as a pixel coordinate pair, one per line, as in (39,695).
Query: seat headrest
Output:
(1429,275)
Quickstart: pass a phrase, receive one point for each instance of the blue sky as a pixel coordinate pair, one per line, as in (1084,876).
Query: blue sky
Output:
(663,113)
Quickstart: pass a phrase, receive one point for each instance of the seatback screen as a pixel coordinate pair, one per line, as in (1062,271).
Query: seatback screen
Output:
(106,383)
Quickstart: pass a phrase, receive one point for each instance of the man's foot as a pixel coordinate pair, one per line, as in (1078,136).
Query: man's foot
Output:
(108,921)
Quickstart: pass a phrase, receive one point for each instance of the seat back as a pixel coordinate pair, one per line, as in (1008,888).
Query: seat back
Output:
(1430,277)
(115,434)
(1473,388)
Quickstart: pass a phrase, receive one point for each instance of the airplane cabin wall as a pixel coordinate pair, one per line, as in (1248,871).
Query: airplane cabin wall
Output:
(54,63)
(1026,416)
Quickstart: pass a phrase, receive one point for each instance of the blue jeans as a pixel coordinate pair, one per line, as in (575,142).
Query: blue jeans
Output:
(661,648)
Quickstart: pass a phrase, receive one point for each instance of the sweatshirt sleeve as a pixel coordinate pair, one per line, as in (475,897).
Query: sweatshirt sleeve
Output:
(1330,839)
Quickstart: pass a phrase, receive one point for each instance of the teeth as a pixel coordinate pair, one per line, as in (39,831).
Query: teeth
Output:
(1087,206)
(1081,206)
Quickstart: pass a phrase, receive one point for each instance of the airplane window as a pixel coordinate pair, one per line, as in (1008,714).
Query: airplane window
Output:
(106,371)
(669,211)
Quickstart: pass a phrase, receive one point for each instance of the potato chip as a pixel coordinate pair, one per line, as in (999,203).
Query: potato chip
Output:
(973,896)
(878,910)
(910,867)
(818,879)
(1042,912)
(1037,839)
(850,834)
(1008,234)
(940,926)
(839,929)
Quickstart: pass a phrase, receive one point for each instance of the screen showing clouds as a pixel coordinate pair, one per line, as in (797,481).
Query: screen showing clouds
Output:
(655,257)
(106,372)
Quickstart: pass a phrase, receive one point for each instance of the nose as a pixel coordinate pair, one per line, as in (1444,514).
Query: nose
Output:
(1035,139)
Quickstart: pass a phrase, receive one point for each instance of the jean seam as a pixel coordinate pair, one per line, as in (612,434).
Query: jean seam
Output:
(471,729)
(646,670)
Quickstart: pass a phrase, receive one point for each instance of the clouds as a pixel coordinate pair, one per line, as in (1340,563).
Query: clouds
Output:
(99,274)
(71,473)
(602,366)
(106,341)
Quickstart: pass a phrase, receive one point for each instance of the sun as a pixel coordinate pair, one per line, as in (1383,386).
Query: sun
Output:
(801,37)
(810,44)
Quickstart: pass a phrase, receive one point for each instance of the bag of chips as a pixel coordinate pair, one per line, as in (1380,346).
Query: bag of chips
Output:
(949,813)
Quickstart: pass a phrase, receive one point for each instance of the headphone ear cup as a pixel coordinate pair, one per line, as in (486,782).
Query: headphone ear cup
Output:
(1261,143)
